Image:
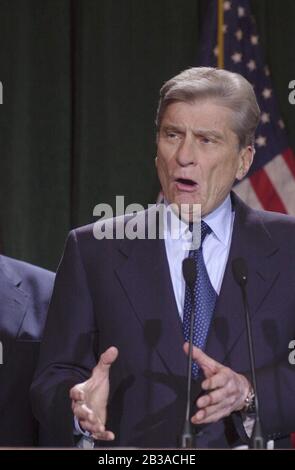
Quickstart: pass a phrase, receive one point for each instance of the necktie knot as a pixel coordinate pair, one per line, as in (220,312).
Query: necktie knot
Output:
(205,230)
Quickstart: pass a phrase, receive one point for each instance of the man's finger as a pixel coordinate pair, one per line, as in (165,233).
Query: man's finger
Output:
(106,360)
(208,373)
(104,436)
(204,361)
(211,398)
(76,393)
(211,414)
(93,427)
(218,380)
(205,417)
(82,412)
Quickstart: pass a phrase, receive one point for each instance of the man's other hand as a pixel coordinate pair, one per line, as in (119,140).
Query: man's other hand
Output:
(90,398)
(226,389)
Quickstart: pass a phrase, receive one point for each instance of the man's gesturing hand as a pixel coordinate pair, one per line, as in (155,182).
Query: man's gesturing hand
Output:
(90,398)
(227,390)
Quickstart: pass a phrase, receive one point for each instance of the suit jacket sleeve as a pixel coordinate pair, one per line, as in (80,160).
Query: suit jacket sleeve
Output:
(67,353)
(277,410)
(276,386)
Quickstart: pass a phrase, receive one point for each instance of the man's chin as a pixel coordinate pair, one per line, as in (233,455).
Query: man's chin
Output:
(186,198)
(187,210)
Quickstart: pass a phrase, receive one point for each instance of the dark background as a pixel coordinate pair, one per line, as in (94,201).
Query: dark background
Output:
(81,81)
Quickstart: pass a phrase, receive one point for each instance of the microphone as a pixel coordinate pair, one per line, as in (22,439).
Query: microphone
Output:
(189,271)
(240,273)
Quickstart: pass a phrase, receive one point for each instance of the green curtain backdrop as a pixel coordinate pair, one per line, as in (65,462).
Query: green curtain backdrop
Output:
(80,89)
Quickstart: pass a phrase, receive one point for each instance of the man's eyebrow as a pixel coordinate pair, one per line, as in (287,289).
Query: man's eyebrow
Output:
(200,131)
(172,127)
(209,133)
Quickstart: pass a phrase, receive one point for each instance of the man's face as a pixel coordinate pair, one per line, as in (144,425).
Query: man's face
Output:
(198,157)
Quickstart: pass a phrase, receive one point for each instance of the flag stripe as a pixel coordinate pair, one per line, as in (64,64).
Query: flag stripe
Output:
(281,178)
(246,192)
(289,158)
(266,193)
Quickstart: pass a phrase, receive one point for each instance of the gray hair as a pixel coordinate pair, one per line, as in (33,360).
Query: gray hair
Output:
(225,88)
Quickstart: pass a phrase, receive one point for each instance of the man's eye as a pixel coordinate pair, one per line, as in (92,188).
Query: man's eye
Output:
(205,140)
(172,135)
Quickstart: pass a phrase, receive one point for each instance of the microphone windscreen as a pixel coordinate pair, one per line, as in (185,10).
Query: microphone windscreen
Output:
(240,271)
(189,271)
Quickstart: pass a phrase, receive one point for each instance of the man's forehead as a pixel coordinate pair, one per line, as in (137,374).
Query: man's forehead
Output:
(201,117)
(205,117)
(205,103)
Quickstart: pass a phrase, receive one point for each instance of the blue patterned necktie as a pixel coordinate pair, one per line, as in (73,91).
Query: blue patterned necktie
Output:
(205,299)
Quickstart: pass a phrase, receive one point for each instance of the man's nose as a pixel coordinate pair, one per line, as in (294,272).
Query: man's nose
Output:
(186,153)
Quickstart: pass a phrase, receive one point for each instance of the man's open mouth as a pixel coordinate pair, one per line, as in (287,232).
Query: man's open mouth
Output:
(186,182)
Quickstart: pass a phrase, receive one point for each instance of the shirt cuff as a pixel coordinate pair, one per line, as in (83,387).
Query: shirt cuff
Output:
(78,430)
(86,441)
(248,424)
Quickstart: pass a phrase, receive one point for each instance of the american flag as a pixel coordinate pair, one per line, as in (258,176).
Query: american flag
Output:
(270,184)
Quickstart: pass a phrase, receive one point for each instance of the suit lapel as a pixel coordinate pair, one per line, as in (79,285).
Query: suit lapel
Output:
(251,241)
(145,277)
(13,300)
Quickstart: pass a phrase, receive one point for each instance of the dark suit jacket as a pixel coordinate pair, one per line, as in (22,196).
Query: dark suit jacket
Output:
(25,292)
(119,292)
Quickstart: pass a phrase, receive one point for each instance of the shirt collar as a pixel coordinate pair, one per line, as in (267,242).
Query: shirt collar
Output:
(220,222)
(173,225)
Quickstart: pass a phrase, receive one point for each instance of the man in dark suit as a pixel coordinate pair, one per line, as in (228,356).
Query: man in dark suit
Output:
(120,311)
(25,291)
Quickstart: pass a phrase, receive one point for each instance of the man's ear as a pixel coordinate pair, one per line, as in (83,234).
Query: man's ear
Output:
(157,142)
(157,137)
(246,156)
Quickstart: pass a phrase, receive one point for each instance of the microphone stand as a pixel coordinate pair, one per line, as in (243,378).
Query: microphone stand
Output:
(240,273)
(187,433)
(257,440)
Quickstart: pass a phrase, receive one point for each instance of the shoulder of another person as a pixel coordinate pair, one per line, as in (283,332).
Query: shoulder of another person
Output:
(17,270)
